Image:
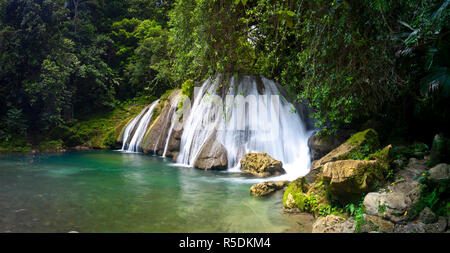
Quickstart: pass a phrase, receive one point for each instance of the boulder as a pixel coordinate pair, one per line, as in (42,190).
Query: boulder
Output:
(212,156)
(349,178)
(440,150)
(394,203)
(320,146)
(261,165)
(378,224)
(297,187)
(420,227)
(427,216)
(266,188)
(334,224)
(440,171)
(302,197)
(367,140)
(418,165)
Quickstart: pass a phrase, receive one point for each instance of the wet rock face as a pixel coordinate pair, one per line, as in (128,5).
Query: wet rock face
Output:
(334,224)
(156,137)
(261,165)
(266,188)
(212,156)
(376,224)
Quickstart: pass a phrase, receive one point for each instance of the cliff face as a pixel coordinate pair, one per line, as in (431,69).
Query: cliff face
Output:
(161,136)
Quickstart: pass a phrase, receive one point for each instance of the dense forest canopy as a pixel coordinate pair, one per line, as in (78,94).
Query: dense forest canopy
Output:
(353,61)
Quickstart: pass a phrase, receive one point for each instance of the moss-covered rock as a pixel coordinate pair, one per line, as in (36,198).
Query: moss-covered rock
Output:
(357,147)
(348,179)
(261,165)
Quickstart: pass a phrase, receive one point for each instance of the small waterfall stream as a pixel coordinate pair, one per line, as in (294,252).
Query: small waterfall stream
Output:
(136,129)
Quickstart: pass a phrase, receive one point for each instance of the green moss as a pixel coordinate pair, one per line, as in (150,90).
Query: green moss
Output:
(297,186)
(15,144)
(187,88)
(366,143)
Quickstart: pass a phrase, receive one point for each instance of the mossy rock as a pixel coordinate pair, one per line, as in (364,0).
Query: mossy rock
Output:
(349,179)
(357,147)
(301,197)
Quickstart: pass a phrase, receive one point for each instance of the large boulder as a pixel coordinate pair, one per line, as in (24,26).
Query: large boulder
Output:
(349,178)
(366,140)
(395,203)
(334,224)
(261,165)
(266,188)
(212,156)
(440,150)
(360,144)
(440,171)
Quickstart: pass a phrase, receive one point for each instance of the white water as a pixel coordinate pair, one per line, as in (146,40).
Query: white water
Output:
(140,125)
(255,128)
(173,108)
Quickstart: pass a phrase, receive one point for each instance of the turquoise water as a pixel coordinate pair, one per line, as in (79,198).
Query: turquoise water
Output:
(109,191)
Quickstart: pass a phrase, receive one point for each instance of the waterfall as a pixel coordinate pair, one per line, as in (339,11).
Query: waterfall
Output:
(136,129)
(173,108)
(248,115)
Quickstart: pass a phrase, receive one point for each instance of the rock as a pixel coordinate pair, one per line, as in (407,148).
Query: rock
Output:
(410,228)
(419,165)
(427,216)
(398,164)
(301,197)
(394,203)
(440,150)
(440,171)
(261,165)
(333,224)
(266,188)
(212,156)
(349,178)
(320,146)
(367,138)
(377,224)
(295,188)
(420,227)
(156,136)
(438,227)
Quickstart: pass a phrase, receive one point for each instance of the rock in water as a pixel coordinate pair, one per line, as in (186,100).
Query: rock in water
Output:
(261,165)
(213,156)
(266,188)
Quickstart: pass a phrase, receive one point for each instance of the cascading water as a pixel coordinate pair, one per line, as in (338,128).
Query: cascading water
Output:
(136,129)
(252,116)
(173,108)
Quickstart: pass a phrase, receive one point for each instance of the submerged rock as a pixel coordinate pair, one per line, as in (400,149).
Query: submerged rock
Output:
(266,188)
(334,224)
(261,165)
(213,156)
